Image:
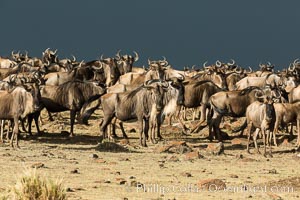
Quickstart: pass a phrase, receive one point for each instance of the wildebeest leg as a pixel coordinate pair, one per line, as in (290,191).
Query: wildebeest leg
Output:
(103,125)
(298,130)
(113,128)
(255,140)
(202,119)
(263,132)
(9,126)
(2,130)
(72,120)
(145,130)
(268,133)
(179,116)
(276,125)
(216,127)
(157,126)
(30,118)
(36,121)
(123,130)
(23,125)
(15,133)
(34,116)
(141,123)
(291,131)
(249,128)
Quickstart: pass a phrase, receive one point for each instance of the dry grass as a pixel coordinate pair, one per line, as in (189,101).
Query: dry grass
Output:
(31,186)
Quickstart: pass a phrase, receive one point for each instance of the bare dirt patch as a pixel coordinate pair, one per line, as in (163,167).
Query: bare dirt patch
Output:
(123,169)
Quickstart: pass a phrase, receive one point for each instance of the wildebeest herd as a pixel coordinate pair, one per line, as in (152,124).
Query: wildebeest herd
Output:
(268,99)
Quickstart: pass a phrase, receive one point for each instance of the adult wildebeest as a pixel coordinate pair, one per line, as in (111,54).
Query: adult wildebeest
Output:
(287,113)
(135,104)
(16,104)
(71,96)
(230,103)
(261,115)
(197,93)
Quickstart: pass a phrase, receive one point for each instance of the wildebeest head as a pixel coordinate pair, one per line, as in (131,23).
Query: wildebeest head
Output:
(125,62)
(156,69)
(49,56)
(157,90)
(111,70)
(178,84)
(34,90)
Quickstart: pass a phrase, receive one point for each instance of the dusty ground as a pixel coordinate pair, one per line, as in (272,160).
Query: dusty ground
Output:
(127,171)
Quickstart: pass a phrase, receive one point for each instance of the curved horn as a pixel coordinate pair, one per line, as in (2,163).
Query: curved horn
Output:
(181,78)
(260,65)
(269,63)
(149,61)
(136,58)
(238,71)
(12,53)
(47,50)
(250,70)
(291,69)
(55,51)
(118,54)
(204,65)
(296,61)
(101,57)
(74,58)
(218,63)
(230,64)
(164,58)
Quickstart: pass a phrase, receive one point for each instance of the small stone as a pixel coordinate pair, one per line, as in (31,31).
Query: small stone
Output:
(239,141)
(37,165)
(234,176)
(107,181)
(93,155)
(193,155)
(69,190)
(118,173)
(122,182)
(273,171)
(215,148)
(75,171)
(132,177)
(186,174)
(177,143)
(100,161)
(174,158)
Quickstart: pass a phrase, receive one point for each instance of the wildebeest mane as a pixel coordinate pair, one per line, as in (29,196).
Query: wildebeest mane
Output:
(247,90)
(203,82)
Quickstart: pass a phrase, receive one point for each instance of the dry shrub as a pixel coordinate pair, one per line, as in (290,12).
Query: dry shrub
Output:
(30,186)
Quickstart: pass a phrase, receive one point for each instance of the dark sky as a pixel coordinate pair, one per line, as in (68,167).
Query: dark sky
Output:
(186,32)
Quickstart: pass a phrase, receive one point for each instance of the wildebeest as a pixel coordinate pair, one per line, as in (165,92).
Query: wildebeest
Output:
(16,104)
(197,93)
(261,115)
(71,96)
(229,103)
(287,113)
(135,104)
